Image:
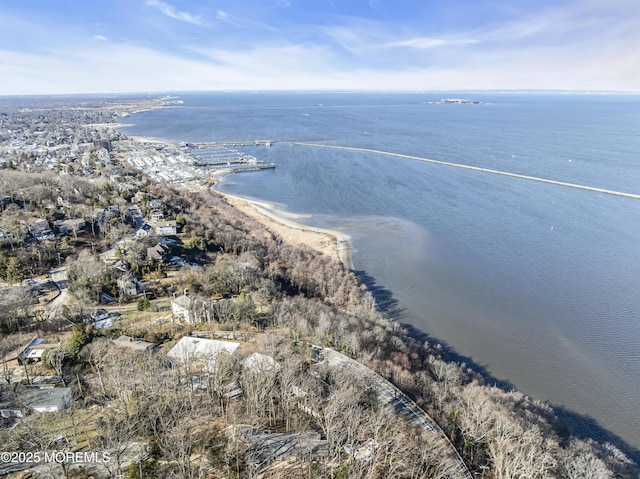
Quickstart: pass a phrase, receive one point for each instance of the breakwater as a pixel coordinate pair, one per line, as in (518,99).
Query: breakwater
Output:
(477,168)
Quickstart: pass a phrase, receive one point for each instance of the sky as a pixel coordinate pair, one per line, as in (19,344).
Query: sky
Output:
(108,46)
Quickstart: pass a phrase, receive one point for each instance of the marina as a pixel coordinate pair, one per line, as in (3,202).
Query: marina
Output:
(190,163)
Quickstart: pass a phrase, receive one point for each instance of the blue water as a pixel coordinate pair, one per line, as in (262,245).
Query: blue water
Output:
(536,282)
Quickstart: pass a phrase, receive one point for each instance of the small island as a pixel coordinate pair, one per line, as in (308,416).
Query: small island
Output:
(455,101)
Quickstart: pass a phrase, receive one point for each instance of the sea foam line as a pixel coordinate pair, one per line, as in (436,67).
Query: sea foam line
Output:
(477,168)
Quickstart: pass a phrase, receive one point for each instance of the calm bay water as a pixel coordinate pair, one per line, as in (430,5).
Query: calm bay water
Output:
(537,283)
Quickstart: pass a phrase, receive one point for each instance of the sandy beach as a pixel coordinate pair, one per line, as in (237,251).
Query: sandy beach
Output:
(329,242)
(332,243)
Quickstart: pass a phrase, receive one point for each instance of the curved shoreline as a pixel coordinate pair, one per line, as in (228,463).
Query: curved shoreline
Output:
(330,242)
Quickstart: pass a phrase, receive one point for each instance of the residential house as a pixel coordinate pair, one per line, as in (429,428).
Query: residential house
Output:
(259,363)
(266,447)
(192,308)
(156,215)
(70,225)
(201,351)
(144,230)
(157,252)
(166,228)
(41,230)
(62,202)
(20,400)
(36,348)
(127,285)
(138,197)
(6,237)
(134,344)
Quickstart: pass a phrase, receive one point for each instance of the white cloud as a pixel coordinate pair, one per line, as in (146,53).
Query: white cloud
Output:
(425,43)
(223,16)
(597,53)
(171,11)
(119,67)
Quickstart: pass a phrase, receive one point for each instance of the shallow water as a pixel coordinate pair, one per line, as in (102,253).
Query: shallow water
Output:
(537,283)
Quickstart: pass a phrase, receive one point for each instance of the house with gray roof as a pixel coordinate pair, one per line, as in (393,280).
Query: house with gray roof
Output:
(20,400)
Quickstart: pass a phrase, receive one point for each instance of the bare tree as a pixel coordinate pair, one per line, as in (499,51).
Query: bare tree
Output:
(518,452)
(116,432)
(585,465)
(9,344)
(97,355)
(56,357)
(179,430)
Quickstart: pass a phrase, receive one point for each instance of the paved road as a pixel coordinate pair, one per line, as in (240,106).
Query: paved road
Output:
(54,308)
(392,397)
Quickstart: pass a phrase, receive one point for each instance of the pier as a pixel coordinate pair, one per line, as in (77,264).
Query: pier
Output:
(220,156)
(484,170)
(233,143)
(238,168)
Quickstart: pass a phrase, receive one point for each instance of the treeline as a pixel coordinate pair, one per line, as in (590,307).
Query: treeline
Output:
(193,429)
(504,434)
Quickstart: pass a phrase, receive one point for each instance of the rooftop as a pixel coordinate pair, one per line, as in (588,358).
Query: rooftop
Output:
(198,348)
(35,397)
(132,343)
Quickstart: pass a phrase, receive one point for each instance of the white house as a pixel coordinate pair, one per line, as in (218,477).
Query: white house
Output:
(144,230)
(36,348)
(199,350)
(192,308)
(156,215)
(5,237)
(259,363)
(166,228)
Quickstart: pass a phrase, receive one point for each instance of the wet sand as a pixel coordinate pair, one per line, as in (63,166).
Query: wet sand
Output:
(332,243)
